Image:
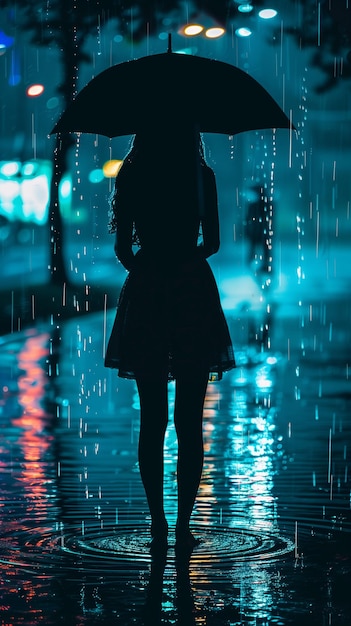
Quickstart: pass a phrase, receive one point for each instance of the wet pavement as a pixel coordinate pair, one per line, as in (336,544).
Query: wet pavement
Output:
(273,509)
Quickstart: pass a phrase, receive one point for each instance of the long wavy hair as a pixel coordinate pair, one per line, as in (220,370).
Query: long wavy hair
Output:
(147,149)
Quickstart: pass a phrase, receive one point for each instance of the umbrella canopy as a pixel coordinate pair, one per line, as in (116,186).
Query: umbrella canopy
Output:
(168,89)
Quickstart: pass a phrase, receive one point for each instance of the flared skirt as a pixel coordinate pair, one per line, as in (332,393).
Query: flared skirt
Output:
(170,320)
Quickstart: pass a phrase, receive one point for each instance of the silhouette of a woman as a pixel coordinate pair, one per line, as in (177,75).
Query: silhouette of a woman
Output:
(169,323)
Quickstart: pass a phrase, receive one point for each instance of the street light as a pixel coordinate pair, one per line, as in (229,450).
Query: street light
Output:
(190,30)
(35,90)
(267,14)
(214,32)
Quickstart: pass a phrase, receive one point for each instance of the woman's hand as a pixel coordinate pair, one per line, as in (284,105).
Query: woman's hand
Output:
(124,252)
(210,222)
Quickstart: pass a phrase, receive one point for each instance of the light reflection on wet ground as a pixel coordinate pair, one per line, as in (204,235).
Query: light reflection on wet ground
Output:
(273,507)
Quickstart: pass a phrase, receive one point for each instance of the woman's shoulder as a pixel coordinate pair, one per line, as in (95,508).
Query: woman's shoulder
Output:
(130,167)
(125,168)
(208,173)
(126,174)
(206,167)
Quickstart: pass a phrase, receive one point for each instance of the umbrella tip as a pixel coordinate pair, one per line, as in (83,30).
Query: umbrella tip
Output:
(169,49)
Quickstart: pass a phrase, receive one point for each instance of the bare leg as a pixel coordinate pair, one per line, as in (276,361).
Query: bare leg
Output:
(188,411)
(153,423)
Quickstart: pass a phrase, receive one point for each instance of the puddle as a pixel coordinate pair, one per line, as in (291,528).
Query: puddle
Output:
(273,510)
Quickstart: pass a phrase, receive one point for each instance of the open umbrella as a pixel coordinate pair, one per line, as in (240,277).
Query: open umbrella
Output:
(168,88)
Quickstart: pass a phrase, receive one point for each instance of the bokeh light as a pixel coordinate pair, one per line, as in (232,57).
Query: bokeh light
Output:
(10,168)
(215,32)
(96,176)
(5,41)
(66,187)
(192,29)
(24,190)
(29,169)
(245,8)
(35,90)
(243,32)
(111,168)
(14,79)
(52,103)
(267,14)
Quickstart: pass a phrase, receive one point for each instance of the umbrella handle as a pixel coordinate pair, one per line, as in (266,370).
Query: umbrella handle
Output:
(169,49)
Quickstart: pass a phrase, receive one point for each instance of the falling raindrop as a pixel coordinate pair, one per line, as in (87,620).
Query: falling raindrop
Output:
(104,326)
(99,35)
(329,456)
(331,487)
(296,541)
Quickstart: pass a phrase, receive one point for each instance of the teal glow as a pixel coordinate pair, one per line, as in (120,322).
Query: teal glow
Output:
(65,188)
(10,168)
(52,103)
(28,169)
(187,51)
(245,8)
(96,176)
(243,32)
(65,196)
(25,190)
(272,360)
(267,14)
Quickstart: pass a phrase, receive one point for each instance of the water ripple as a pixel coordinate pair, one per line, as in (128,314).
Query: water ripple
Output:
(95,549)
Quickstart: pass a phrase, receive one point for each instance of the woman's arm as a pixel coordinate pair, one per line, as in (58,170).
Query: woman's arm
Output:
(124,221)
(210,222)
(123,242)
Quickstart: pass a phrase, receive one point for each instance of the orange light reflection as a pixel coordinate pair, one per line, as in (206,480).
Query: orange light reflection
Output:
(34,440)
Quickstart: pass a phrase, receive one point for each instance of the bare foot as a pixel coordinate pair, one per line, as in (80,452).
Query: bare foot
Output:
(185,540)
(159,533)
(158,546)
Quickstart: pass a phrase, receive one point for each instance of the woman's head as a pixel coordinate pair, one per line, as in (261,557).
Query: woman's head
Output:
(161,157)
(171,143)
